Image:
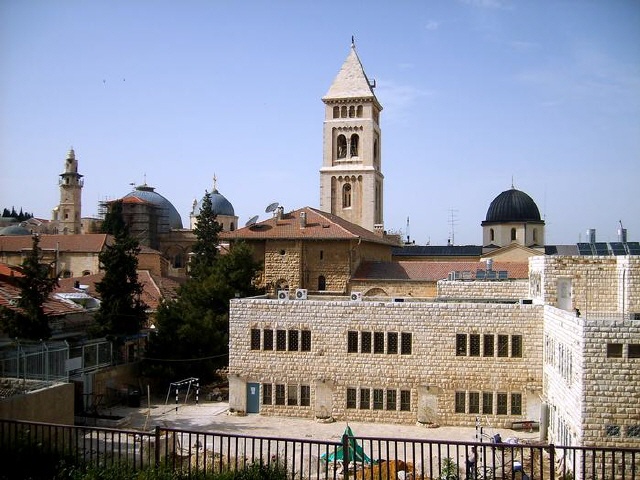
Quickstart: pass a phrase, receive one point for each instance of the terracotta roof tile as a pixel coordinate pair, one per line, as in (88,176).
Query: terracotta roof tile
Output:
(319,226)
(53,306)
(90,243)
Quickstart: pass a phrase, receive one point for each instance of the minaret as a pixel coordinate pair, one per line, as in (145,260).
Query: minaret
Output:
(351,181)
(69,211)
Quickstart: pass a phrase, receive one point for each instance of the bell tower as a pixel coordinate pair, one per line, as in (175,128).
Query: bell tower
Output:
(68,213)
(351,180)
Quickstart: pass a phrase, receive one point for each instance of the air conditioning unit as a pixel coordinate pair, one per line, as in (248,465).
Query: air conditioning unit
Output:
(301,294)
(283,294)
(356,296)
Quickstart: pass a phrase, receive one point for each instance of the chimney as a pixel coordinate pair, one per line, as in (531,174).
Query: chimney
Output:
(591,235)
(303,219)
(279,213)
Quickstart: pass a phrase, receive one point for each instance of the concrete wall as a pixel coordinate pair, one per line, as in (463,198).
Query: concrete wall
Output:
(49,405)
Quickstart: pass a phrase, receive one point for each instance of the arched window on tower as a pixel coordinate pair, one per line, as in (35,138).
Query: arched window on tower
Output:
(375,151)
(352,111)
(354,145)
(343,111)
(513,234)
(342,146)
(346,195)
(359,111)
(322,283)
(492,234)
(336,112)
(535,235)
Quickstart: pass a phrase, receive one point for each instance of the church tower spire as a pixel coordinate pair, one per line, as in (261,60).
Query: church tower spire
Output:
(351,180)
(68,213)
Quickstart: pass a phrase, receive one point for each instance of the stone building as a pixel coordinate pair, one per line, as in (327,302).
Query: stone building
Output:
(310,250)
(66,218)
(351,180)
(510,359)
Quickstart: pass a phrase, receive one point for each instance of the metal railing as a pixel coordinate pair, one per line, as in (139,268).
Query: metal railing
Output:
(357,458)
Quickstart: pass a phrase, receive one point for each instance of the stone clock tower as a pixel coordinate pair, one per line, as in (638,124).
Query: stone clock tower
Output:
(351,180)
(68,212)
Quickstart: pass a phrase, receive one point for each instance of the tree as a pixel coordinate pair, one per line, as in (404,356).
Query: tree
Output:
(122,311)
(29,321)
(113,220)
(205,250)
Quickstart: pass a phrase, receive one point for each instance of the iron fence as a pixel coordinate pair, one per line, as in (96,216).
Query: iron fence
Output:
(352,458)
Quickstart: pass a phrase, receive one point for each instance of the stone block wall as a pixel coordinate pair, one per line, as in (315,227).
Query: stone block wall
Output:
(427,378)
(498,290)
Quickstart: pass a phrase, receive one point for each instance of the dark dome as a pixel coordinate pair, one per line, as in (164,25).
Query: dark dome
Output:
(219,204)
(12,230)
(513,206)
(171,216)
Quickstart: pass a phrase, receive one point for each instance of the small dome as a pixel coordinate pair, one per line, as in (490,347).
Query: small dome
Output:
(219,204)
(14,230)
(148,194)
(513,206)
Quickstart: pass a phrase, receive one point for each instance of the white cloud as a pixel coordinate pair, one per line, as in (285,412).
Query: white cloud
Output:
(432,25)
(398,98)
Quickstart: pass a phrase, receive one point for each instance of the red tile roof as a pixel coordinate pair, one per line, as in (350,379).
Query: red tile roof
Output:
(89,243)
(319,226)
(53,306)
(433,271)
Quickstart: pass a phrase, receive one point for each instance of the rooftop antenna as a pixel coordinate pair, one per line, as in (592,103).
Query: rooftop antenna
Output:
(271,207)
(408,236)
(252,221)
(215,183)
(453,220)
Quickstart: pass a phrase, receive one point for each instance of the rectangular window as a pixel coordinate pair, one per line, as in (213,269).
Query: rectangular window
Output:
(633,431)
(501,408)
(392,342)
(391,400)
(488,346)
(378,342)
(292,395)
(306,340)
(267,341)
(487,403)
(516,346)
(612,430)
(461,344)
(633,350)
(293,340)
(365,342)
(279,394)
(255,339)
(474,402)
(365,398)
(405,400)
(281,339)
(378,399)
(474,345)
(305,395)
(351,397)
(267,393)
(405,345)
(460,402)
(503,345)
(516,404)
(352,341)
(614,350)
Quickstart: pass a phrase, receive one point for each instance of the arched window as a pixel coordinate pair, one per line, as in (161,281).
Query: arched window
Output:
(322,283)
(513,234)
(359,111)
(352,111)
(375,150)
(336,112)
(346,195)
(178,261)
(65,274)
(354,145)
(342,146)
(535,235)
(85,273)
(232,227)
(492,234)
(343,111)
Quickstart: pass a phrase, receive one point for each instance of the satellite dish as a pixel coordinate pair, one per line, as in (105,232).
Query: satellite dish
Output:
(251,221)
(271,207)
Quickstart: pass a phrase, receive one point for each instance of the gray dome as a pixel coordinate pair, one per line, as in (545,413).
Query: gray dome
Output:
(219,204)
(14,230)
(513,206)
(147,194)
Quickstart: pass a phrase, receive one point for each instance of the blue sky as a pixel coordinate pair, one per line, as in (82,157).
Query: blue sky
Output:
(477,94)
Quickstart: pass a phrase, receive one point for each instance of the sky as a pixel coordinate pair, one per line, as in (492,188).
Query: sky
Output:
(478,95)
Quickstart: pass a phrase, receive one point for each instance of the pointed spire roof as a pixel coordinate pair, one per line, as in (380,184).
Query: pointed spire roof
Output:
(351,81)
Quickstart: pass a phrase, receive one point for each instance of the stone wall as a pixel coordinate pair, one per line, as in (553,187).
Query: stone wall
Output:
(49,405)
(498,290)
(427,378)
